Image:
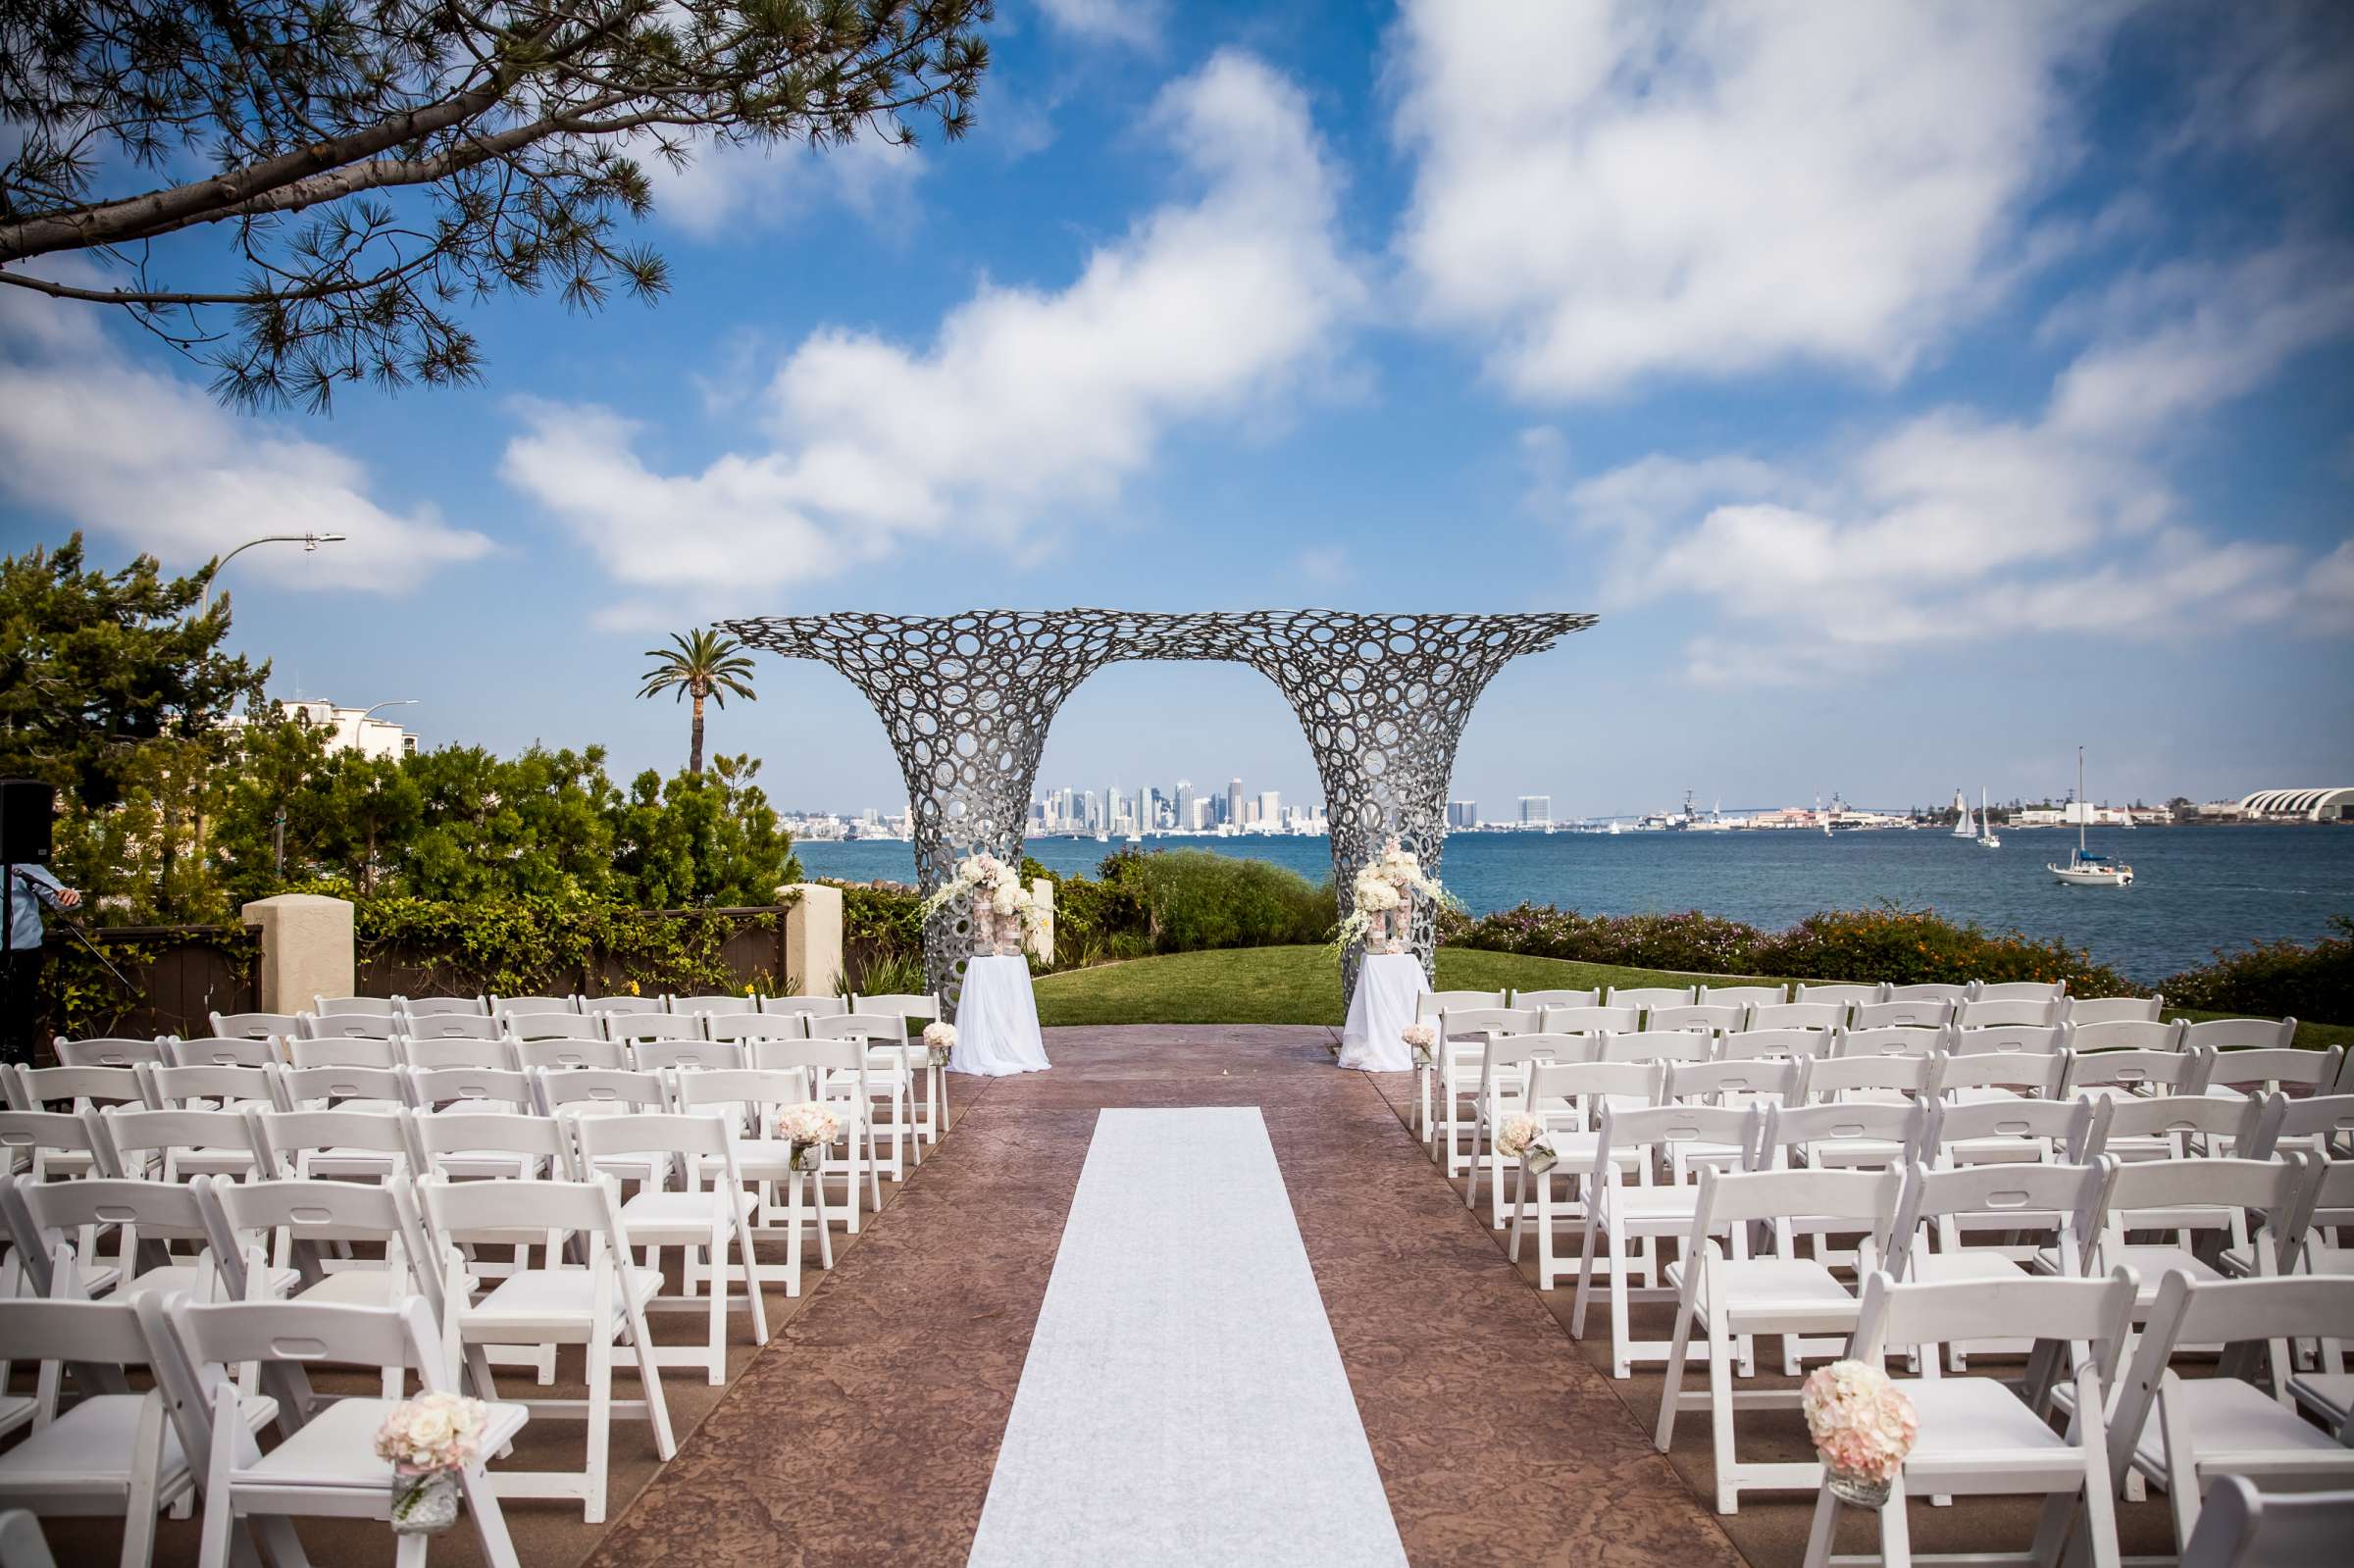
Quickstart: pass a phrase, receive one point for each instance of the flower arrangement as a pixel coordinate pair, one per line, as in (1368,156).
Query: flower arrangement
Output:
(1382,900)
(1002,911)
(808,1127)
(939,1039)
(1862,1427)
(428,1441)
(1524,1138)
(1422,1039)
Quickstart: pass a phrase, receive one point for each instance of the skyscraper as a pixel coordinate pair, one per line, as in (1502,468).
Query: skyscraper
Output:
(1270,807)
(1536,810)
(1185,806)
(1463,813)
(1234,802)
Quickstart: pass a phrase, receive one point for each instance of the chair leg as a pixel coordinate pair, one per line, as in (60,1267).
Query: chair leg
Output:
(1621,1329)
(1520,1209)
(1664,1433)
(1720,1418)
(146,1465)
(601,1423)
(1585,1278)
(1896,1531)
(490,1524)
(1825,1528)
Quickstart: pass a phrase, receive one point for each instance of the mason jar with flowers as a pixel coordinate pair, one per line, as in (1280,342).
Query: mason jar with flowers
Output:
(1382,898)
(810,1129)
(1862,1427)
(429,1441)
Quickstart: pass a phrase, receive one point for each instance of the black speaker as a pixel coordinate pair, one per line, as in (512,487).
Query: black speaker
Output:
(28,809)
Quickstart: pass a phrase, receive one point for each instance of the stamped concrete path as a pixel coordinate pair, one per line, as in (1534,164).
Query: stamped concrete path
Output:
(869,1430)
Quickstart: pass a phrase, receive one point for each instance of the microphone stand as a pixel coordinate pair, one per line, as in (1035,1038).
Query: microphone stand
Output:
(72,924)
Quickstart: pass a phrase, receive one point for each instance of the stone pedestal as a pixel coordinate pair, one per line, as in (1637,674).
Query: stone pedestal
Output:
(306,949)
(812,938)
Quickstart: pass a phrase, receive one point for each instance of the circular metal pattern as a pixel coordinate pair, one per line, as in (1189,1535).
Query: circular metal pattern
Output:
(967,699)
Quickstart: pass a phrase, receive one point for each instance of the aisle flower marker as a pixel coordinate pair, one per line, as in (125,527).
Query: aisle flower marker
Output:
(808,1127)
(940,1040)
(1422,1039)
(1381,911)
(1524,1138)
(428,1441)
(1862,1427)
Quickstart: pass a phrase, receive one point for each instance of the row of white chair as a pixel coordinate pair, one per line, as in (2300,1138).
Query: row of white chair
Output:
(2032,992)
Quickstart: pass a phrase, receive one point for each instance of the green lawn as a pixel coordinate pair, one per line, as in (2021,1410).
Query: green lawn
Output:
(1303,985)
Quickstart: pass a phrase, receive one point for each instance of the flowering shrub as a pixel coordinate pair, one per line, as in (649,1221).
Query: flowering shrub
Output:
(1904,946)
(2274,980)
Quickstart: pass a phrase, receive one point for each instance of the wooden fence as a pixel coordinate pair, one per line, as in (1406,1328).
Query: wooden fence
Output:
(179,976)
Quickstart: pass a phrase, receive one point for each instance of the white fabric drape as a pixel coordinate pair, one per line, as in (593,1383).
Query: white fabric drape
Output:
(996,1021)
(1383,1006)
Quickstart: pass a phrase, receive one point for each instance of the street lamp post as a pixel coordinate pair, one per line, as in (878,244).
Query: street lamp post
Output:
(308,542)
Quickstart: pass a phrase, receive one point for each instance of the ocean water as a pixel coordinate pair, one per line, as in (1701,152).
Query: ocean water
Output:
(2194,890)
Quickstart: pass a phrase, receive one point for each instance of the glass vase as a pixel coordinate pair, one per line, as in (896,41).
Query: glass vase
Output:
(1861,1490)
(425,1502)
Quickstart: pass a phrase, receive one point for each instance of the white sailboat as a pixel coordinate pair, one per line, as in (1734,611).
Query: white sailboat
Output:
(1964,828)
(1986,837)
(2084,870)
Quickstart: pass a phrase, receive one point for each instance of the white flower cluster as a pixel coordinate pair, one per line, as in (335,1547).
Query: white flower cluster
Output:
(1516,1133)
(985,881)
(433,1432)
(1388,883)
(1861,1424)
(807,1124)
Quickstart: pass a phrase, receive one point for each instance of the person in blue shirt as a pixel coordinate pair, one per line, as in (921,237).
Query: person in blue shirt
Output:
(31,888)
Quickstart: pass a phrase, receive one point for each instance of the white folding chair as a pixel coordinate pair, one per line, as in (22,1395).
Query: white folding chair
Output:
(596,1304)
(2017,990)
(1983,1218)
(338,1085)
(1884,1078)
(171,1146)
(50,1146)
(256,1025)
(1504,1067)
(333,1144)
(754,1096)
(1889,1040)
(2243,1528)
(2172,1127)
(697,1219)
(327,1467)
(505,1006)
(1642,1212)
(804,1006)
(428,1054)
(2006,1012)
(1977,1435)
(836,1073)
(2267,1070)
(1732,1296)
(2084,1010)
(1743,996)
(454,1027)
(1700,1018)
(108,1052)
(351,1050)
(1566,1097)
(47,1220)
(622,1006)
(1842,995)
(2321,1124)
(1844,1134)
(1647,997)
(2183,1432)
(1557,996)
(2207,1200)
(1978,1080)
(1934,990)
(889,1077)
(2124,1034)
(931,1110)
(206,1089)
(231,1051)
(2019,1130)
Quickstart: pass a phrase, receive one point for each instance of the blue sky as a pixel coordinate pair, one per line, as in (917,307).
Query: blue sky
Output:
(1916,392)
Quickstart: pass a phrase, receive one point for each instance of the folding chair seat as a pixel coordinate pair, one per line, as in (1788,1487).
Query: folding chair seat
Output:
(753,1096)
(348,1027)
(1642,1212)
(225,1051)
(2115,1009)
(541,1032)
(2183,1432)
(1731,1296)
(719,1002)
(111,1453)
(634,1029)
(1815,1017)
(1568,1098)
(256,1025)
(423,1007)
(1978,1436)
(108,1052)
(327,1467)
(889,1077)
(533,1006)
(697,1219)
(1504,1067)
(1915,1013)
(693,1055)
(1773,1043)
(835,1072)
(930,1109)
(1557,996)
(598,1304)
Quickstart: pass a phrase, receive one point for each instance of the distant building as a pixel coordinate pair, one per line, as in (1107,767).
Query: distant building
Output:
(353,729)
(1462,814)
(1234,802)
(2309,805)
(1536,810)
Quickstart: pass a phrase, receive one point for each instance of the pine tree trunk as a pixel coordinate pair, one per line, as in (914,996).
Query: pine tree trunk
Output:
(694,753)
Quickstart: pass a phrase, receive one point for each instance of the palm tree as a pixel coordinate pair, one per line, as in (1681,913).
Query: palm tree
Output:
(704,664)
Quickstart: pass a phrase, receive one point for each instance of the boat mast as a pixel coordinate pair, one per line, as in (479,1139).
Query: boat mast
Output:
(2079,803)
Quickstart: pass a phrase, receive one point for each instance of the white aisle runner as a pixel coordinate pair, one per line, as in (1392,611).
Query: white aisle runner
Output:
(1183,1400)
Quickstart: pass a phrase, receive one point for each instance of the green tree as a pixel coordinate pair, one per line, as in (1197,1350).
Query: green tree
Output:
(702,838)
(367,163)
(701,665)
(96,666)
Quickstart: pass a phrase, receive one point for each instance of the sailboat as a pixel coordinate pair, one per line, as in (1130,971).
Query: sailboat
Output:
(1964,828)
(1986,837)
(2084,870)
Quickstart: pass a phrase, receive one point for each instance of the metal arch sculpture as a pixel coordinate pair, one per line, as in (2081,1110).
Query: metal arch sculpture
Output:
(967,699)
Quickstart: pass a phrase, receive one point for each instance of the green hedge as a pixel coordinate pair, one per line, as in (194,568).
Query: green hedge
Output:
(2276,979)
(524,946)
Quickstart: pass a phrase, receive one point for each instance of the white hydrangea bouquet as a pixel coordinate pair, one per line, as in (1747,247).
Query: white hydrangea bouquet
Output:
(808,1127)
(1001,910)
(1862,1427)
(429,1440)
(1382,900)
(1423,1040)
(1524,1138)
(939,1039)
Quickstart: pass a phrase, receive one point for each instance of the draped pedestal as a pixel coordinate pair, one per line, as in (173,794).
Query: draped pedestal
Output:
(996,1023)
(1383,1005)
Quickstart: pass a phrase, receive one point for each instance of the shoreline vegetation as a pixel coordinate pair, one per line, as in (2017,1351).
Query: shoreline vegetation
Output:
(1166,903)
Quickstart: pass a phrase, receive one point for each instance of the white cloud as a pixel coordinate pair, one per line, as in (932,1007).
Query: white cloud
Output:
(1135,22)
(1605,192)
(1026,400)
(729,188)
(1952,528)
(149,461)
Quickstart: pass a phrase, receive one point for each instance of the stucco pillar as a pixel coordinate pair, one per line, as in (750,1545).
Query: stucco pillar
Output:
(1041,894)
(812,938)
(306,949)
